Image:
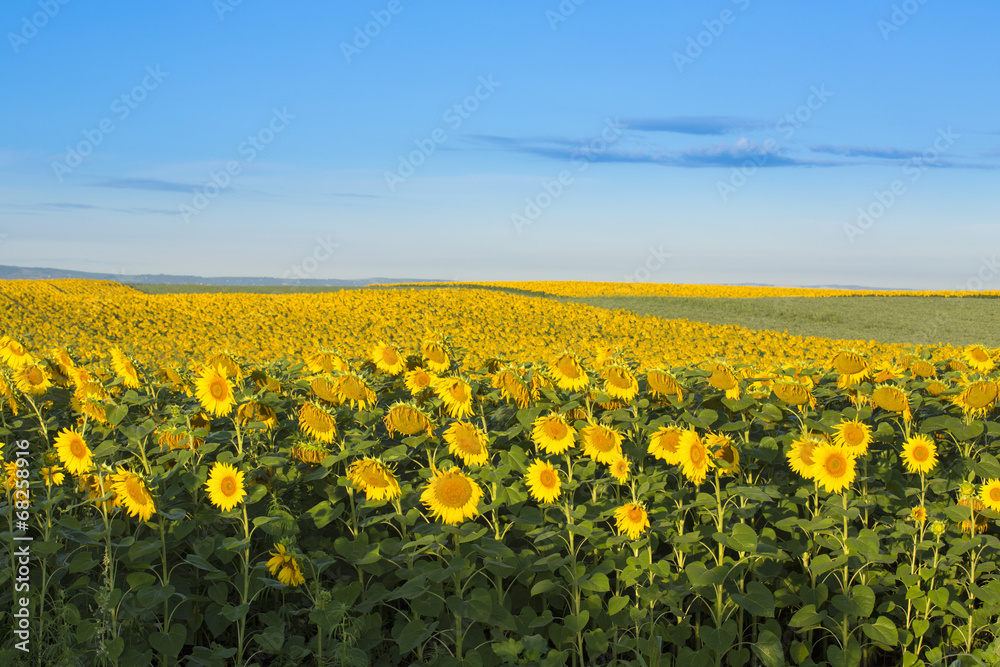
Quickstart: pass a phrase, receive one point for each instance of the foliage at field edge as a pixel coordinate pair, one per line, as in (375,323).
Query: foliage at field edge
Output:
(405,507)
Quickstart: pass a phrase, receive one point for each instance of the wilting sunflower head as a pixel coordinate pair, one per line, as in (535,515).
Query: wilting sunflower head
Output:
(543,482)
(923,368)
(727,456)
(512,387)
(553,434)
(317,423)
(456,395)
(13,353)
(326,361)
(452,496)
(435,355)
(375,479)
(663,383)
(793,393)
(978,398)
(125,368)
(224,362)
(255,411)
(723,379)
(285,565)
(851,366)
(620,382)
(631,519)
(32,379)
(312,453)
(407,419)
(892,399)
(352,388)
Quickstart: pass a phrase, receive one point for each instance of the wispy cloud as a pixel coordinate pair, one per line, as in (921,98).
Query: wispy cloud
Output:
(145,184)
(867,151)
(40,207)
(702,125)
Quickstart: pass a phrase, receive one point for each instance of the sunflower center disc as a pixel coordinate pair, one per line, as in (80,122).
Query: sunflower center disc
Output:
(454,493)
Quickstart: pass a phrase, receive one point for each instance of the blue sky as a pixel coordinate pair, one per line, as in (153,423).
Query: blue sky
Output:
(731,141)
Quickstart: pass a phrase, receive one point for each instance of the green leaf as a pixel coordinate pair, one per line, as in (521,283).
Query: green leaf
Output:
(745,538)
(758,600)
(200,563)
(170,644)
(768,649)
(807,617)
(577,623)
(81,562)
(597,582)
(140,579)
(719,639)
(115,414)
(882,631)
(413,634)
(542,587)
(323,513)
(616,604)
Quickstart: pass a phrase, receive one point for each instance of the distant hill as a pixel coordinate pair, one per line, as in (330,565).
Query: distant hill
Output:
(41,273)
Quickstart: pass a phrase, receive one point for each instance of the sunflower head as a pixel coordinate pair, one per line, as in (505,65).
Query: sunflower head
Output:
(662,383)
(619,469)
(920,454)
(133,494)
(543,482)
(435,355)
(553,434)
(285,565)
(468,442)
(387,359)
(407,419)
(801,455)
(694,455)
(312,453)
(665,444)
(853,434)
(214,391)
(225,486)
(619,382)
(833,467)
(602,443)
(32,379)
(456,395)
(317,423)
(989,494)
(893,399)
(73,451)
(631,519)
(978,398)
(375,479)
(568,372)
(452,496)
(125,368)
(978,359)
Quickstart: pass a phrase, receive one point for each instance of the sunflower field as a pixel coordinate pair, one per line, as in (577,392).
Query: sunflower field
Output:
(466,477)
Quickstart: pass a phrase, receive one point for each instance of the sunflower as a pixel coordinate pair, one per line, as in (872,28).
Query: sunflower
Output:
(407,419)
(310,452)
(989,494)
(456,395)
(52,475)
(73,452)
(133,494)
(851,366)
(452,496)
(923,368)
(387,359)
(316,423)
(833,467)
(324,390)
(100,490)
(10,475)
(468,442)
(13,353)
(919,514)
(32,379)
(920,454)
(976,523)
(543,481)
(887,372)
(375,479)
(631,520)
(977,398)
(619,469)
(936,388)
(695,460)
(568,372)
(325,361)
(723,379)
(225,486)
(854,435)
(125,368)
(435,355)
(665,444)
(418,380)
(351,388)
(601,443)
(214,391)
(893,399)
(978,359)
(265,382)
(286,566)
(727,457)
(794,393)
(512,388)
(801,455)
(620,383)
(553,434)
(661,383)
(255,411)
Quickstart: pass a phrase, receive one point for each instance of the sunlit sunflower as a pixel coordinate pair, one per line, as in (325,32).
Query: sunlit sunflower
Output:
(468,442)
(620,383)
(10,475)
(619,469)
(326,361)
(978,358)
(133,495)
(225,486)
(13,353)
(512,387)
(989,494)
(375,479)
(920,454)
(665,444)
(32,379)
(456,394)
(74,453)
(919,514)
(255,411)
(543,481)
(407,419)
(286,566)
(568,373)
(801,455)
(893,399)
(601,443)
(631,520)
(125,368)
(833,467)
(324,390)
(936,388)
(452,496)
(661,383)
(695,460)
(418,380)
(855,435)
(923,368)
(435,355)
(351,388)
(851,366)
(978,398)
(316,423)
(387,359)
(794,393)
(214,391)
(312,453)
(52,475)
(723,378)
(552,434)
